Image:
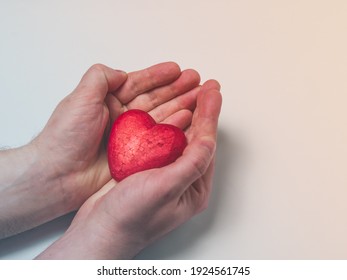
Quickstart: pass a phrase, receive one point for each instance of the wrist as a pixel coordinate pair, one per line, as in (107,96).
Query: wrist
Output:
(30,194)
(87,241)
(51,179)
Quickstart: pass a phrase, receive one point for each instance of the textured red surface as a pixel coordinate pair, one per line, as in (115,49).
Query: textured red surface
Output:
(138,143)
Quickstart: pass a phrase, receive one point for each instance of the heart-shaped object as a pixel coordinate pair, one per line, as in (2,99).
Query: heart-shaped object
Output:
(138,143)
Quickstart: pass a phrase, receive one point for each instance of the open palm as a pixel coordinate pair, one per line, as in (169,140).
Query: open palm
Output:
(73,140)
(121,219)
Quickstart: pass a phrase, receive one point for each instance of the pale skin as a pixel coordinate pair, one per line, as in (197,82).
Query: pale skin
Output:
(65,167)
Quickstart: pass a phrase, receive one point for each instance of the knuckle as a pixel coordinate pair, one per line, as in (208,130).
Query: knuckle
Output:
(201,162)
(199,166)
(153,100)
(202,200)
(97,67)
(134,84)
(138,81)
(159,114)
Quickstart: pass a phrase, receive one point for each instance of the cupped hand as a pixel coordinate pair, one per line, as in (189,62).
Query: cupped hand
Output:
(72,144)
(121,219)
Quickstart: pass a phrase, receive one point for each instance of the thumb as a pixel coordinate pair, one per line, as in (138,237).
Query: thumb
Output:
(100,80)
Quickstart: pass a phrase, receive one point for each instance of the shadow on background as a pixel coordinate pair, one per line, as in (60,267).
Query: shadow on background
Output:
(182,239)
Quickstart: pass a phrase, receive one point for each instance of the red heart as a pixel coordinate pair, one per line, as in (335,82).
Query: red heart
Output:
(138,143)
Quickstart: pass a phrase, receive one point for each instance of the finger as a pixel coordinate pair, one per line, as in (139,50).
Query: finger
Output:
(98,81)
(145,80)
(186,101)
(208,109)
(207,187)
(202,113)
(177,111)
(200,191)
(180,119)
(196,198)
(115,107)
(200,151)
(103,191)
(89,205)
(212,84)
(188,80)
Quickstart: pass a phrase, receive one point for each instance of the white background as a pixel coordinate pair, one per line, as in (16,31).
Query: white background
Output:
(280,186)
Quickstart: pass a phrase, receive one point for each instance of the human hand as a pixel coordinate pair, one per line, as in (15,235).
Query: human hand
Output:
(121,219)
(73,141)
